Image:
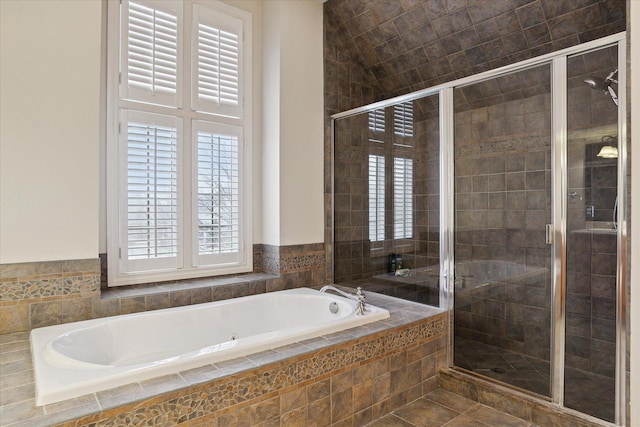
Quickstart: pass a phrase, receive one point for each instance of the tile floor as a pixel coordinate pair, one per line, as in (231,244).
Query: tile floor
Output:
(441,408)
(584,391)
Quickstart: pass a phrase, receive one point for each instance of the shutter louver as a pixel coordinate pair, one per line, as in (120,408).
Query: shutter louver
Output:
(376,125)
(376,198)
(217,67)
(218,205)
(376,120)
(402,198)
(151,72)
(152,191)
(403,119)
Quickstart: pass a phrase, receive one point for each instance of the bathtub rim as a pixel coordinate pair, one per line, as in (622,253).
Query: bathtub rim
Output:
(49,377)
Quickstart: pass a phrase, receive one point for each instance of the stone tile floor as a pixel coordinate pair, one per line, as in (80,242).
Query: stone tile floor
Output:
(441,408)
(584,391)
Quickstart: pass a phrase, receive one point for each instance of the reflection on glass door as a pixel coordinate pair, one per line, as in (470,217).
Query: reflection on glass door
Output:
(592,204)
(502,289)
(386,200)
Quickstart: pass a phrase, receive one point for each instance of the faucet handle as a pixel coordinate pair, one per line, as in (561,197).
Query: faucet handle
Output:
(362,306)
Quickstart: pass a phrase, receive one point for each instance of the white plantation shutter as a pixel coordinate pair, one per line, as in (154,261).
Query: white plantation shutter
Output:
(218,149)
(179,140)
(376,198)
(376,120)
(150,52)
(376,125)
(150,149)
(216,62)
(403,123)
(402,198)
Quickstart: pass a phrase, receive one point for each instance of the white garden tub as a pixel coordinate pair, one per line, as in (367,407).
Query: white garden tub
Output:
(78,358)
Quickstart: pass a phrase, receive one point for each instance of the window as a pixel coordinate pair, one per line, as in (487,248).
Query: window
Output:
(376,176)
(376,198)
(403,119)
(178,140)
(376,125)
(403,124)
(402,198)
(401,184)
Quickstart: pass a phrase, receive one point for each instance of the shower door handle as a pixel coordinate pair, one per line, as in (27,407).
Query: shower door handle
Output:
(549,234)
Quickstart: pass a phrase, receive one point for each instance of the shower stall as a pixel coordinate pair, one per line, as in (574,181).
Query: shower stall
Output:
(502,198)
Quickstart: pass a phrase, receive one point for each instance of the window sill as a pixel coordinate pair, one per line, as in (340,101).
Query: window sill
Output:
(137,298)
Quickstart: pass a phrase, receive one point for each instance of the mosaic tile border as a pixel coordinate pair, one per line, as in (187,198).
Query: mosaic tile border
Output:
(40,293)
(28,282)
(289,259)
(220,398)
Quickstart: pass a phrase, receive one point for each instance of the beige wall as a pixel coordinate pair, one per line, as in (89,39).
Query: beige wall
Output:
(51,126)
(293,123)
(49,129)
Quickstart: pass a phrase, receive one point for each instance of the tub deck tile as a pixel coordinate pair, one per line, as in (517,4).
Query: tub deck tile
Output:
(235,366)
(16,338)
(315,343)
(403,318)
(19,411)
(200,375)
(11,380)
(120,395)
(266,357)
(164,384)
(17,394)
(322,355)
(340,337)
(292,350)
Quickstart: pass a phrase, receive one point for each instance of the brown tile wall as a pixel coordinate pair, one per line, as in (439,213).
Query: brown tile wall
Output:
(41,293)
(591,303)
(346,86)
(503,198)
(375,50)
(345,385)
(411,45)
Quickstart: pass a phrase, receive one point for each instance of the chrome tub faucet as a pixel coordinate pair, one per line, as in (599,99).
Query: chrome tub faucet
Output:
(359,297)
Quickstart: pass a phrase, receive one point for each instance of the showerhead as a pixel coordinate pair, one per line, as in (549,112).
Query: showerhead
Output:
(604,84)
(595,83)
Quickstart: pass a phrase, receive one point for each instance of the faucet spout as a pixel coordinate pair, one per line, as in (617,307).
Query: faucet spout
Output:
(359,297)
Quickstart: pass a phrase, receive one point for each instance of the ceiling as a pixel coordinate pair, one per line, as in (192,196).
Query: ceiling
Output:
(407,45)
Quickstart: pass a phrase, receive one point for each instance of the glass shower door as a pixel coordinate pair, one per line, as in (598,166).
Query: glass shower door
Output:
(592,205)
(503,264)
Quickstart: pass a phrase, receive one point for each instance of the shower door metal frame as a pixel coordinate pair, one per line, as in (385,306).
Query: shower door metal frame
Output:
(557,62)
(559,188)
(621,267)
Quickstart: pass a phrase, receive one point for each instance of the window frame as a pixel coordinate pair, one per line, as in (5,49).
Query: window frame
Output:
(391,137)
(119,272)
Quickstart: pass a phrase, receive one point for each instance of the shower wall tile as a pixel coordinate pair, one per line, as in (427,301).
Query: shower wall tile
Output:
(499,125)
(471,44)
(579,283)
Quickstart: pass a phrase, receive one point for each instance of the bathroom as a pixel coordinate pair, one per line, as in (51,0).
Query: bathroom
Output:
(291,225)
